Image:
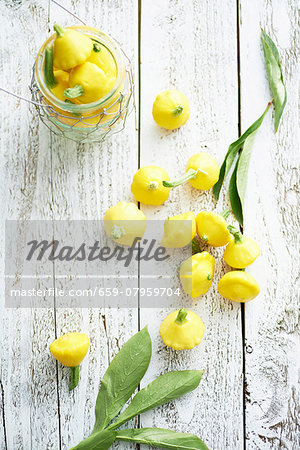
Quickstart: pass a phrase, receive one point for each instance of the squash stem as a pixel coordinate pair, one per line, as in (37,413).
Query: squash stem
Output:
(177,110)
(74,92)
(59,30)
(191,173)
(225,214)
(74,377)
(50,79)
(96,47)
(238,237)
(181,316)
(117,232)
(195,247)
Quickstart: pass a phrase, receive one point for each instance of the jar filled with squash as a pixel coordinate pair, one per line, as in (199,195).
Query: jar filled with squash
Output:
(82,84)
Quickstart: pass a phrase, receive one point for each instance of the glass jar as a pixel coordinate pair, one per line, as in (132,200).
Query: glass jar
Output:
(90,122)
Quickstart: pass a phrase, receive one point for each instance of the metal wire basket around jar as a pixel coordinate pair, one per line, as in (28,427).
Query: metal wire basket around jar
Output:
(91,122)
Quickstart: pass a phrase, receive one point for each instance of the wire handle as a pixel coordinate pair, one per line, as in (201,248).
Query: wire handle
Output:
(68,11)
(26,99)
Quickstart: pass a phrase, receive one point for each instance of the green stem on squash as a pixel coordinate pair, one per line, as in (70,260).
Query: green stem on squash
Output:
(191,173)
(74,92)
(238,237)
(195,247)
(48,69)
(181,316)
(96,47)
(177,110)
(74,377)
(59,30)
(117,232)
(225,214)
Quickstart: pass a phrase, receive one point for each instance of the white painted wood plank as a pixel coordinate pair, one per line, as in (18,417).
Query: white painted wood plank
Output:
(191,46)
(87,179)
(28,374)
(272,217)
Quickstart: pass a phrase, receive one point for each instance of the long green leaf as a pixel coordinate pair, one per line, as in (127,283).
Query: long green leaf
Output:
(234,198)
(101,440)
(162,390)
(242,168)
(233,151)
(238,182)
(274,71)
(122,378)
(159,437)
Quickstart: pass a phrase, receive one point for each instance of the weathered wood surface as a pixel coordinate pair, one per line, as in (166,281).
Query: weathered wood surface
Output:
(272,217)
(193,47)
(190,45)
(86,180)
(28,378)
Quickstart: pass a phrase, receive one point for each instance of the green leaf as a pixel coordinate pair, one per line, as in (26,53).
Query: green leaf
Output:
(122,378)
(239,182)
(159,437)
(101,440)
(234,198)
(162,390)
(274,71)
(233,151)
(242,168)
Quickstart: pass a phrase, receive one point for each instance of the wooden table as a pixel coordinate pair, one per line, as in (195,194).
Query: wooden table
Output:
(212,52)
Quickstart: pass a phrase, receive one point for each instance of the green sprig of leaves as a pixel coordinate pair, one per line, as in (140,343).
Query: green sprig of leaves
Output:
(239,152)
(274,71)
(238,181)
(119,383)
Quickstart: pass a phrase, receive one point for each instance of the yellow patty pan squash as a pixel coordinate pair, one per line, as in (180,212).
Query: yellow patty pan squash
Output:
(182,329)
(124,222)
(147,185)
(196,274)
(171,109)
(212,228)
(88,83)
(70,349)
(238,286)
(70,48)
(179,230)
(102,57)
(241,250)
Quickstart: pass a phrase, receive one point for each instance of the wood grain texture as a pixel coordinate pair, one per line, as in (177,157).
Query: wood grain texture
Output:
(272,217)
(87,179)
(191,46)
(28,378)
